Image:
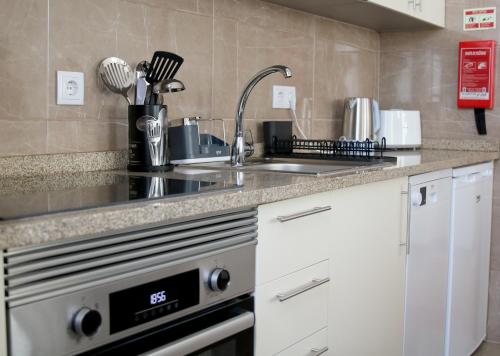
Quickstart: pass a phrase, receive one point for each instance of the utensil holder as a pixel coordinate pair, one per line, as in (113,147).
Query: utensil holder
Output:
(147,148)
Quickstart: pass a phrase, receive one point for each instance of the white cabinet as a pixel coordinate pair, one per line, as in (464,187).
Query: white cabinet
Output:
(293,234)
(380,15)
(290,309)
(359,233)
(314,345)
(367,268)
(397,5)
(431,11)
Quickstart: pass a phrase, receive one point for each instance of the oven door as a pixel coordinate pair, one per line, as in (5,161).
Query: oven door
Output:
(223,330)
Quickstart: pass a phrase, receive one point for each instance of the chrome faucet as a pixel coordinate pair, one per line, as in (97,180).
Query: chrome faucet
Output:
(239,148)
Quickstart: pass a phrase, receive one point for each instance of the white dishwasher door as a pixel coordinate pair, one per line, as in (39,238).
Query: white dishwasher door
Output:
(427,266)
(469,258)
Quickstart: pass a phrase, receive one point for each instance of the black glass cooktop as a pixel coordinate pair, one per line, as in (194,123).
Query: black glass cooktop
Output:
(114,189)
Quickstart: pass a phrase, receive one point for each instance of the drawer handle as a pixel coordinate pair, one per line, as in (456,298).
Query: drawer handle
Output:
(313,284)
(317,352)
(313,211)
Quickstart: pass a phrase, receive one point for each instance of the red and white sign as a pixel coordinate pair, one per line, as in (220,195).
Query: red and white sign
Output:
(476,74)
(480,19)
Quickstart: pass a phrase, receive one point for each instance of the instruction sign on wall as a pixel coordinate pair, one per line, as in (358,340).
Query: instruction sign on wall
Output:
(484,18)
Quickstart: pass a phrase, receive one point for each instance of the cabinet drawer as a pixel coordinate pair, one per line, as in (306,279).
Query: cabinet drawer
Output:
(291,308)
(293,235)
(314,345)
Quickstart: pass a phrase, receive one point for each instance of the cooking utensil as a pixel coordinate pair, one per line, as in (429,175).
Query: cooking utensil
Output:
(168,86)
(117,75)
(165,86)
(153,134)
(141,85)
(147,152)
(361,119)
(164,65)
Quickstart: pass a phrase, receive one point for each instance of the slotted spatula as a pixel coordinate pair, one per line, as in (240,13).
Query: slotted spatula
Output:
(117,75)
(164,65)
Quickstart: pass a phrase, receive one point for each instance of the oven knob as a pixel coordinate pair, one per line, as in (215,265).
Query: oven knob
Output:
(219,280)
(86,322)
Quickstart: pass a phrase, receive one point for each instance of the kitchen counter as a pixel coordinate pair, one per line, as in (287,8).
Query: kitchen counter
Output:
(259,188)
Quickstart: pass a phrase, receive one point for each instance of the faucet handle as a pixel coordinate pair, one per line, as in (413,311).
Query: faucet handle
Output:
(249,146)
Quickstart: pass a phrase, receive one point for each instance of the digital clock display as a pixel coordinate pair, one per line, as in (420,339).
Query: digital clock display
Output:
(150,301)
(157,297)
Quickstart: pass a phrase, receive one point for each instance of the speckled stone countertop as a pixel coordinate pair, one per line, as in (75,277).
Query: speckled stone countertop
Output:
(259,188)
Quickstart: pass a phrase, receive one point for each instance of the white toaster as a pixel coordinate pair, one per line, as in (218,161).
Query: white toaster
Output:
(401,128)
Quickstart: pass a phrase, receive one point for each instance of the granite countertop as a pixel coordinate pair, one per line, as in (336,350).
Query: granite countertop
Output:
(259,188)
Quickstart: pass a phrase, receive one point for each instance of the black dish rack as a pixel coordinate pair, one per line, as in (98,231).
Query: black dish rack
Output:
(329,149)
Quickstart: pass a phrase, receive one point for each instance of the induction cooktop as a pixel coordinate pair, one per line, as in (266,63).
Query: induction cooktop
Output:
(119,190)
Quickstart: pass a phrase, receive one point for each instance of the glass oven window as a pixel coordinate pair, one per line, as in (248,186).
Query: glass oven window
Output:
(240,344)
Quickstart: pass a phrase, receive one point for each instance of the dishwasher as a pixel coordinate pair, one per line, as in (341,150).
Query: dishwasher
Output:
(469,258)
(427,263)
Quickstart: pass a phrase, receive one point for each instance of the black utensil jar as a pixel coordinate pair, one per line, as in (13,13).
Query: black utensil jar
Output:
(147,138)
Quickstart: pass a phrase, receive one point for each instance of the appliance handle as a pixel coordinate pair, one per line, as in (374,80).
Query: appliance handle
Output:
(207,337)
(302,214)
(405,219)
(317,351)
(313,284)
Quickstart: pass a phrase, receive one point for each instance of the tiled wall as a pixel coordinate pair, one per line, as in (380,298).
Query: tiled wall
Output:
(224,42)
(419,71)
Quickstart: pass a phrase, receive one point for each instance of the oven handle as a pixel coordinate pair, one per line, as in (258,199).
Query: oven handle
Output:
(207,337)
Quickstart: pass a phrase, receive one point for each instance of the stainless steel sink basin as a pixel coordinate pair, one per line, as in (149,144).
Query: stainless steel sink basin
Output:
(300,166)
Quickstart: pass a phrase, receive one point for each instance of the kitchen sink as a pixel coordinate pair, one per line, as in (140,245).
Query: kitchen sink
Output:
(301,166)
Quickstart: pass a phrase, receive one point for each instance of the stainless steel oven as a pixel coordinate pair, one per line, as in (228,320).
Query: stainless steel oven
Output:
(177,289)
(223,330)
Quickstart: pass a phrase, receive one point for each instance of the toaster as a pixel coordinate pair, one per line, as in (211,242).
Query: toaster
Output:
(401,128)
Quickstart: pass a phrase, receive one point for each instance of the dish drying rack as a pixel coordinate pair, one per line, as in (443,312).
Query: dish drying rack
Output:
(329,149)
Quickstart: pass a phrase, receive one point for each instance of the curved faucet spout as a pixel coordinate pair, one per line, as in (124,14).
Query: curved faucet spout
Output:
(238,147)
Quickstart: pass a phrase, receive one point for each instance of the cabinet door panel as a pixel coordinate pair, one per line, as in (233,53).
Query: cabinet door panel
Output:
(367,267)
(315,344)
(432,11)
(288,246)
(281,323)
(397,5)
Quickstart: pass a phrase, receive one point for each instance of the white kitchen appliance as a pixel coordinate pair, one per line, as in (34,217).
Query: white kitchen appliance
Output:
(401,128)
(427,264)
(469,258)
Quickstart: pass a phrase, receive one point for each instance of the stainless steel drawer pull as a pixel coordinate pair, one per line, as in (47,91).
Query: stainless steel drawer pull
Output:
(313,211)
(316,352)
(313,284)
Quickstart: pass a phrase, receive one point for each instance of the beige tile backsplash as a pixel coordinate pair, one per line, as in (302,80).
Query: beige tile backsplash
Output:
(223,42)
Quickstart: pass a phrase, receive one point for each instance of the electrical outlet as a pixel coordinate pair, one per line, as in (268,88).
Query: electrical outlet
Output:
(282,95)
(70,88)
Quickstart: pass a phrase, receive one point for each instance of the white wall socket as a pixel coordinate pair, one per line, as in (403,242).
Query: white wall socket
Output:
(70,88)
(282,95)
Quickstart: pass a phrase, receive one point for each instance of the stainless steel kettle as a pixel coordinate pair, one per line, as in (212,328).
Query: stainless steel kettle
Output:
(361,119)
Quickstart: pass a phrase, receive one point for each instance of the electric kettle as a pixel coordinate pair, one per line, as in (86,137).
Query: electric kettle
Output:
(361,119)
